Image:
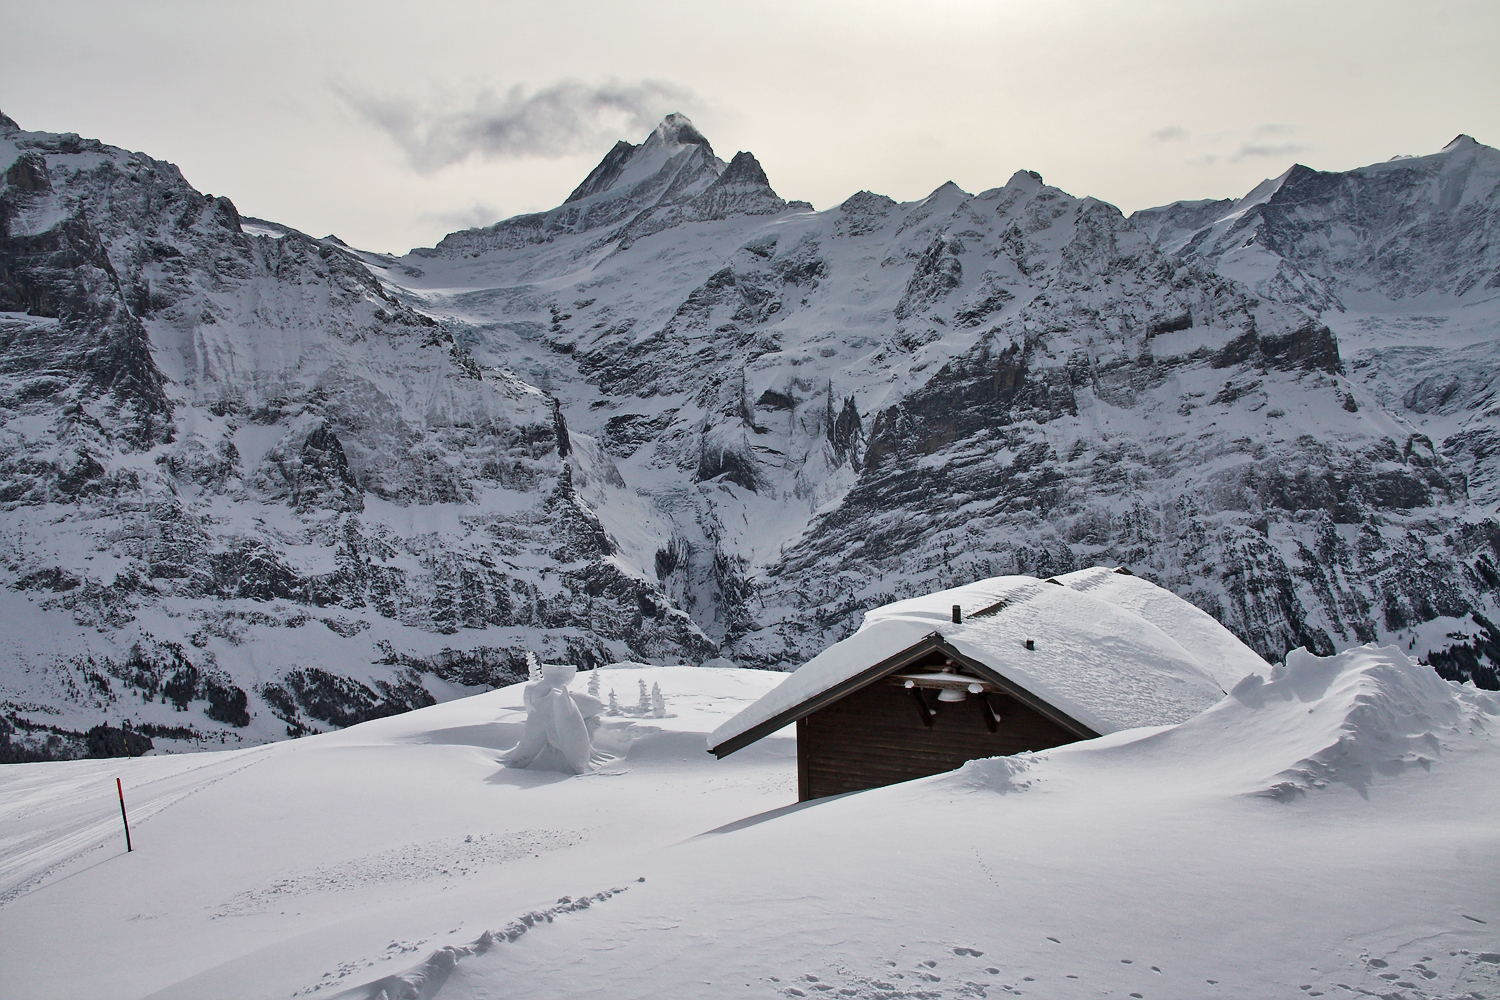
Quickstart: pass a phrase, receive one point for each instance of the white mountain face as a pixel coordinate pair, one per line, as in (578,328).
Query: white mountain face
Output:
(282,485)
(1399,259)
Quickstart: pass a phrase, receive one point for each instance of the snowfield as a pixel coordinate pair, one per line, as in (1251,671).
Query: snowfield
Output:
(1328,829)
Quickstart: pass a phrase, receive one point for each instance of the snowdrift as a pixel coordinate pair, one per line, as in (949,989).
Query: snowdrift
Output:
(1323,830)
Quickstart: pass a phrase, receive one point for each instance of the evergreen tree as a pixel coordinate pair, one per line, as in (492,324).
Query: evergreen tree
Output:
(533,666)
(614,704)
(594,682)
(643,703)
(658,703)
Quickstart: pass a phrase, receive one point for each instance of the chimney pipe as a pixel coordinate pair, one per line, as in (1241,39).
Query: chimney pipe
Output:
(958,615)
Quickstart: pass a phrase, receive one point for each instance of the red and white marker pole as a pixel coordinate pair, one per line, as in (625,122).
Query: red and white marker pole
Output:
(121,789)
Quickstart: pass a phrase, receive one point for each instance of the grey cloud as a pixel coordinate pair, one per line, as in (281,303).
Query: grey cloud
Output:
(1172,133)
(475,216)
(566,117)
(1274,149)
(1273,128)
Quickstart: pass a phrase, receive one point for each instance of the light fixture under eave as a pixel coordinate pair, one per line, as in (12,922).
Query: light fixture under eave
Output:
(952,694)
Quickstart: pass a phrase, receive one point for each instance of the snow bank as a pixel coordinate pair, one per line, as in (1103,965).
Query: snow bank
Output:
(1366,712)
(1351,719)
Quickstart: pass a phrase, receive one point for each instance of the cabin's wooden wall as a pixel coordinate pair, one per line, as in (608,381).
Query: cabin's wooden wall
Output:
(875,737)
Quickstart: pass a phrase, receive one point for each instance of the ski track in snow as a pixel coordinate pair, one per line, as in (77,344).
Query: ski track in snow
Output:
(26,863)
(441,858)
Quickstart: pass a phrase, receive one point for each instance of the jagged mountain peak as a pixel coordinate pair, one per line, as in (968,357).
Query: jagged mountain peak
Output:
(1027,180)
(678,129)
(605,174)
(671,177)
(627,166)
(1286,237)
(745,170)
(8,124)
(945,196)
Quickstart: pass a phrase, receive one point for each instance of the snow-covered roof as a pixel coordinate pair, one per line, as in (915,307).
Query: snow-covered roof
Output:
(1103,665)
(1221,653)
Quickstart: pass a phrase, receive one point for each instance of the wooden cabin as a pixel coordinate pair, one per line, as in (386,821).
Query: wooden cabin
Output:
(1019,664)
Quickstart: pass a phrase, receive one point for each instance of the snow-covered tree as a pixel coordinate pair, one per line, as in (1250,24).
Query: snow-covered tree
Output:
(533,666)
(594,682)
(658,703)
(643,703)
(614,704)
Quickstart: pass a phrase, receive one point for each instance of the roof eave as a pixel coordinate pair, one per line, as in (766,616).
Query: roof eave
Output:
(933,642)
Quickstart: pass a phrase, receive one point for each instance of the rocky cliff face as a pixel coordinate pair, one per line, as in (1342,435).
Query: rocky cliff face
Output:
(851,406)
(257,483)
(248,492)
(1400,260)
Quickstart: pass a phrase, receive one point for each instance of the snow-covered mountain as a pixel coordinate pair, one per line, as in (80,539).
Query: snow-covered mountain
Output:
(245,482)
(283,484)
(1400,260)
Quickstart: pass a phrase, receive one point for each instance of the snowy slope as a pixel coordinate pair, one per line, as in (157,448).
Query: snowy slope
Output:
(1325,830)
(1398,258)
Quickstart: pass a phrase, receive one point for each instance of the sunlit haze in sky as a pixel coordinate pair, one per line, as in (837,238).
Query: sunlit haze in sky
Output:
(391,124)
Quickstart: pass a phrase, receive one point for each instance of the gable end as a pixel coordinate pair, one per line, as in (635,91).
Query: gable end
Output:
(927,645)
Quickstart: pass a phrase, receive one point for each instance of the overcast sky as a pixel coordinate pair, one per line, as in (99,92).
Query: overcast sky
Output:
(391,124)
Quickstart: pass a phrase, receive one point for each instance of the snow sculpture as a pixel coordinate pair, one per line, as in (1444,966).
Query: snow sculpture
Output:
(559,719)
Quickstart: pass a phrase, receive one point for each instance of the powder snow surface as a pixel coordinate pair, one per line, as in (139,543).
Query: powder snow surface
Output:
(1328,829)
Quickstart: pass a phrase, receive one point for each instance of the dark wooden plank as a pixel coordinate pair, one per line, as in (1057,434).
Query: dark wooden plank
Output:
(873,737)
(804,783)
